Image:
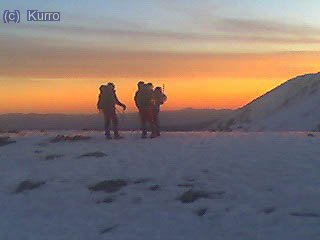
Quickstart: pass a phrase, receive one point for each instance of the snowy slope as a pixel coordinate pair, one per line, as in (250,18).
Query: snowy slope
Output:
(253,193)
(293,106)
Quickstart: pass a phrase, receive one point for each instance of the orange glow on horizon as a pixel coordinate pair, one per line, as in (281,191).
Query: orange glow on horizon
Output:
(81,97)
(218,82)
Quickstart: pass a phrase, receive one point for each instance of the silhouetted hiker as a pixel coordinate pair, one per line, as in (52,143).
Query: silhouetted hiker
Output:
(144,102)
(107,105)
(159,99)
(137,96)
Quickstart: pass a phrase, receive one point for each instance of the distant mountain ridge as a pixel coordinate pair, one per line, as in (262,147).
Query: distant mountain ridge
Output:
(292,106)
(180,120)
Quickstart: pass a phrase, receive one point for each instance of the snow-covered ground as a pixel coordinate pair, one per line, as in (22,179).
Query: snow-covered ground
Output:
(254,186)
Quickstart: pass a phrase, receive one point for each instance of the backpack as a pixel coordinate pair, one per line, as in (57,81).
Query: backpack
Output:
(106,99)
(160,98)
(144,98)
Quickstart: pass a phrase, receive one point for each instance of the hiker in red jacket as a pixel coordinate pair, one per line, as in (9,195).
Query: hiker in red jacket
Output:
(107,105)
(159,99)
(144,102)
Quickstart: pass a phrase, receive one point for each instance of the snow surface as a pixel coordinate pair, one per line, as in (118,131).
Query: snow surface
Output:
(270,183)
(293,106)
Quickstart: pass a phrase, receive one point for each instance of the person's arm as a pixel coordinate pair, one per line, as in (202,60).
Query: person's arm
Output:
(136,99)
(99,103)
(119,103)
(164,98)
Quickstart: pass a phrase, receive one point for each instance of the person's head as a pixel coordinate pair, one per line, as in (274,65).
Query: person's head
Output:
(103,88)
(149,86)
(111,85)
(158,89)
(140,85)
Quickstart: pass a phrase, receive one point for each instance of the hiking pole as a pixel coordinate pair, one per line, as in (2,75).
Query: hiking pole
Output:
(163,87)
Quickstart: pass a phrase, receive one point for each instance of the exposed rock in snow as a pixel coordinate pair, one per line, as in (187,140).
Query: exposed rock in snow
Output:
(5,141)
(305,214)
(63,138)
(53,156)
(268,210)
(108,229)
(28,185)
(94,154)
(109,186)
(185,185)
(191,196)
(201,212)
(141,180)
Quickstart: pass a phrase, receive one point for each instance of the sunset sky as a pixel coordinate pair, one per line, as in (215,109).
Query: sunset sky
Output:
(209,54)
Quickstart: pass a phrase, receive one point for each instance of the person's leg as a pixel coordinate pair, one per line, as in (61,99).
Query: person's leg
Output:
(107,121)
(143,121)
(150,119)
(156,121)
(115,123)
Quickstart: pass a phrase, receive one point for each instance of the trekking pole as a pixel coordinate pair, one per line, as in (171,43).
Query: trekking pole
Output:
(163,87)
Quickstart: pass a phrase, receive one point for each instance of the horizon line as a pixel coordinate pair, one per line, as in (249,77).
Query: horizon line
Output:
(130,112)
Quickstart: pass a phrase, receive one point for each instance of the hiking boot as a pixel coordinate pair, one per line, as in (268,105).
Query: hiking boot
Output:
(118,137)
(108,137)
(144,136)
(153,135)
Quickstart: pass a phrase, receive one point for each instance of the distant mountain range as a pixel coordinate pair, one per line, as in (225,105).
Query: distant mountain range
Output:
(292,106)
(181,120)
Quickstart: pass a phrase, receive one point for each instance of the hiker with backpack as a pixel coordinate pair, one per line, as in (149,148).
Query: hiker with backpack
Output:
(159,99)
(107,105)
(144,101)
(137,96)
